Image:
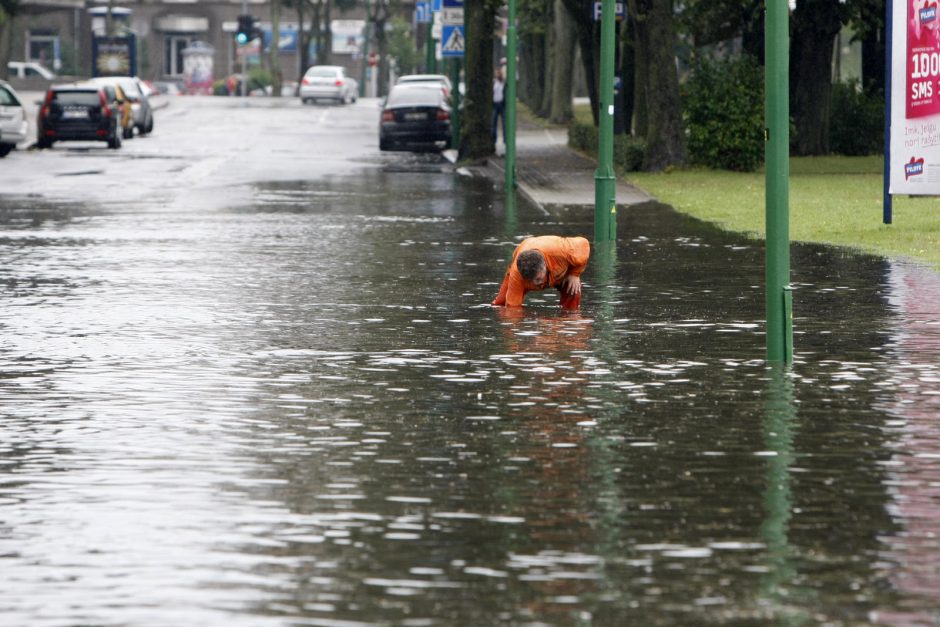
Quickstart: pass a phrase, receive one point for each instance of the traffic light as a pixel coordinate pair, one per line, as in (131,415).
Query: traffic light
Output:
(246,29)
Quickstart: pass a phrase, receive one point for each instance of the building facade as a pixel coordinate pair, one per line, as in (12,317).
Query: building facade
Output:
(59,33)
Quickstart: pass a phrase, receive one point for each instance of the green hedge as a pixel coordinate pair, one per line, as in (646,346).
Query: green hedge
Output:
(856,124)
(724,109)
(628,150)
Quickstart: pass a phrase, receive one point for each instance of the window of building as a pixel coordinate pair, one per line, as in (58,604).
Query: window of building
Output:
(173,46)
(42,47)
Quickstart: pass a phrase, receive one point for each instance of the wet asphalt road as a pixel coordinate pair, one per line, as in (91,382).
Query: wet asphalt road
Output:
(248,376)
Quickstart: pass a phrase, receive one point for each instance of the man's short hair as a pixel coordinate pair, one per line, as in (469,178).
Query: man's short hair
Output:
(530,263)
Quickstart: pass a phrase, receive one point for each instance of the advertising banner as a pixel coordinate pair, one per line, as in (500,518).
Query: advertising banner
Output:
(114,56)
(915,98)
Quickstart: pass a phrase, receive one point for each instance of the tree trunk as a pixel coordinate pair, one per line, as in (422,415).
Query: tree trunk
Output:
(325,37)
(873,60)
(532,77)
(476,142)
(627,74)
(665,136)
(562,66)
(640,77)
(815,25)
(548,63)
(276,48)
(580,12)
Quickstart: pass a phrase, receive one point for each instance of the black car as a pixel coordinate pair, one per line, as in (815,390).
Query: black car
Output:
(78,113)
(414,116)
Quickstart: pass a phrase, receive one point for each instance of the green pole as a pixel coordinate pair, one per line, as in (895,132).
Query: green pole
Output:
(510,97)
(605,185)
(777,88)
(455,114)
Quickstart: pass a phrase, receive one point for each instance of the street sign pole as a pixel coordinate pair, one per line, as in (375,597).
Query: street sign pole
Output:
(605,185)
(777,87)
(510,98)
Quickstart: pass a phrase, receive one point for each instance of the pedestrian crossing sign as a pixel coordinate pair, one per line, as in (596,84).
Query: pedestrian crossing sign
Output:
(452,41)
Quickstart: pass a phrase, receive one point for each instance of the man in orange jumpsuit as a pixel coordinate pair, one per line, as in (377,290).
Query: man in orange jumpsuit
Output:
(546,261)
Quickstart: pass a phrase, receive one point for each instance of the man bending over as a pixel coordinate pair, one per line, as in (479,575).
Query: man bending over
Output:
(546,261)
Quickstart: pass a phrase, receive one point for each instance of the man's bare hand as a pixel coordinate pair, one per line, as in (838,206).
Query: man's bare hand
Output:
(571,284)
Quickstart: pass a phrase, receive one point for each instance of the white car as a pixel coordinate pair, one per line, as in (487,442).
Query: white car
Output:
(328,82)
(28,69)
(13,124)
(425,79)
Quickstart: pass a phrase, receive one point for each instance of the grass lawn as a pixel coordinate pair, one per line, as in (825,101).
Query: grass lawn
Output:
(833,200)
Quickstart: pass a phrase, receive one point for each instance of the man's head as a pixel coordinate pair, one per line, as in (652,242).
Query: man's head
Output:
(531,265)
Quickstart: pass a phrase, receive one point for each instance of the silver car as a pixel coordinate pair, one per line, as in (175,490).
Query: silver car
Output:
(13,124)
(138,94)
(328,82)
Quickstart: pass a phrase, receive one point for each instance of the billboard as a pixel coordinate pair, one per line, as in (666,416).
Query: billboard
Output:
(915,98)
(114,56)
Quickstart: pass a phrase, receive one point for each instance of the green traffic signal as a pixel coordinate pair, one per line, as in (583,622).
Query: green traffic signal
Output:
(246,26)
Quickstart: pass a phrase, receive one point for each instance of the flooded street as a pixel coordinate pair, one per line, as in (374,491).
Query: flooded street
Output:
(288,402)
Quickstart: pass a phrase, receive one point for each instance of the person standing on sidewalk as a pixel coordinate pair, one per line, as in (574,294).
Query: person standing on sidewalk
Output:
(542,262)
(499,102)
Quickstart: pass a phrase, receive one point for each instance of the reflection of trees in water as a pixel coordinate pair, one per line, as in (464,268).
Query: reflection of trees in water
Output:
(914,552)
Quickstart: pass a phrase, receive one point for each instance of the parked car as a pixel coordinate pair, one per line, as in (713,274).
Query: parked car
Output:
(138,95)
(415,115)
(168,88)
(120,101)
(78,112)
(328,82)
(13,124)
(424,79)
(28,69)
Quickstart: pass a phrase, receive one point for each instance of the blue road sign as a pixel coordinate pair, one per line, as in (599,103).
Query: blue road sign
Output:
(435,5)
(620,10)
(452,40)
(453,4)
(422,11)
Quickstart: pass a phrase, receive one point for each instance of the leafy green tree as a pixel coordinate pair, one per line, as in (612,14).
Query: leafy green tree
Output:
(402,47)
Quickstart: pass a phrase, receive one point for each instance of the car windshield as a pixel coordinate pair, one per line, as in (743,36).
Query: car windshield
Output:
(414,96)
(323,71)
(87,98)
(7,99)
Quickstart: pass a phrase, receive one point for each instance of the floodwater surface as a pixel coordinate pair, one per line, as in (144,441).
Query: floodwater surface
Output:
(301,410)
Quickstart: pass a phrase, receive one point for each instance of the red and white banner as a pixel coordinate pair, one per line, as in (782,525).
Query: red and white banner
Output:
(915,97)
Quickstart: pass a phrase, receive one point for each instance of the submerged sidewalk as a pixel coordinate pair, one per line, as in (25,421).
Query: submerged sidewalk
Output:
(551,175)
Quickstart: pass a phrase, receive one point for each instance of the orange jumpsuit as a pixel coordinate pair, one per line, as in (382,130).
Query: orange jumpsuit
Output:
(563,256)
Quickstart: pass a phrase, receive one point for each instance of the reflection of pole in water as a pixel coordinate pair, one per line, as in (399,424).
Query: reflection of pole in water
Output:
(604,262)
(778,427)
(510,217)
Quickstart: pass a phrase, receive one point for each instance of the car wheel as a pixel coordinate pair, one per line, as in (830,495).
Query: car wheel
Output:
(384,144)
(5,149)
(42,144)
(149,124)
(115,141)
(128,133)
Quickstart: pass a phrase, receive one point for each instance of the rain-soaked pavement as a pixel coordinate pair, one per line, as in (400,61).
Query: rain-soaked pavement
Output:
(300,410)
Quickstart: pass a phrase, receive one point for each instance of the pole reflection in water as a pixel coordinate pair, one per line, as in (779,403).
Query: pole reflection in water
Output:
(510,214)
(778,428)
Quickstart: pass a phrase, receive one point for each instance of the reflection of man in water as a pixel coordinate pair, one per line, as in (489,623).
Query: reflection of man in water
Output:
(547,261)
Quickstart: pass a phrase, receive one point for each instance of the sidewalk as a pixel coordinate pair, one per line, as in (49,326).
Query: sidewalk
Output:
(552,176)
